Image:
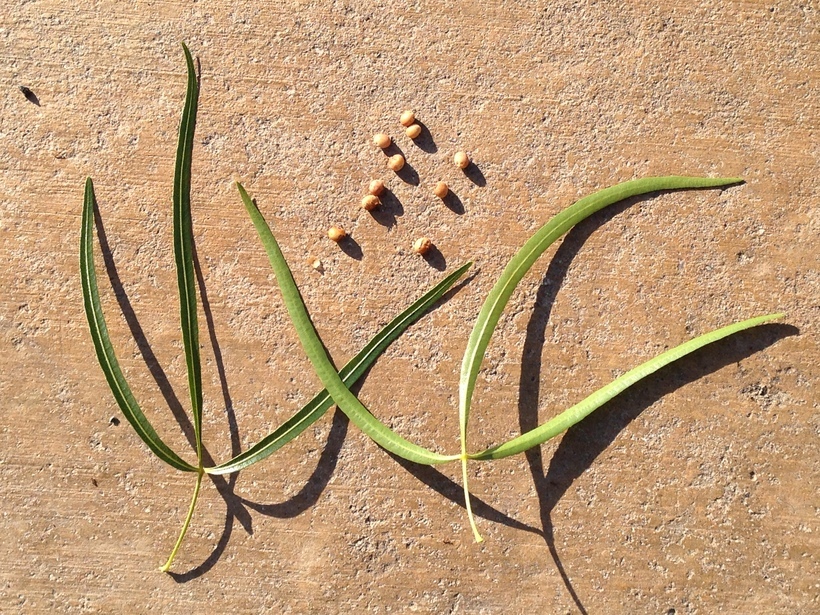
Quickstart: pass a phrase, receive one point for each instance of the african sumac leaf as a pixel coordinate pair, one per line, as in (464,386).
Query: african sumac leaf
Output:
(349,374)
(105,351)
(183,248)
(349,404)
(579,411)
(520,264)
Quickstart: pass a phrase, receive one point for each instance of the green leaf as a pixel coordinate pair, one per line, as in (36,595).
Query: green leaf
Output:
(349,374)
(105,351)
(183,251)
(349,404)
(520,264)
(576,413)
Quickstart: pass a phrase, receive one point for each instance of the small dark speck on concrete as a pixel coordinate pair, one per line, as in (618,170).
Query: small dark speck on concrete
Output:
(114,421)
(30,96)
(94,482)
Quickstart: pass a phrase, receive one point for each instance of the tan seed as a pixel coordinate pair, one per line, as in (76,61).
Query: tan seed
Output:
(407,118)
(413,131)
(441,190)
(395,162)
(336,233)
(376,187)
(382,140)
(422,245)
(370,202)
(462,160)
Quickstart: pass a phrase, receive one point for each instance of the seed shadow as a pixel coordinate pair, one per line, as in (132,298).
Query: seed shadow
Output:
(474,174)
(407,173)
(453,203)
(389,210)
(425,141)
(585,441)
(351,247)
(435,258)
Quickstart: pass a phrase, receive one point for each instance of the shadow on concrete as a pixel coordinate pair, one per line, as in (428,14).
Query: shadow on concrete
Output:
(237,507)
(351,247)
(435,258)
(578,449)
(390,209)
(582,443)
(453,203)
(425,141)
(474,174)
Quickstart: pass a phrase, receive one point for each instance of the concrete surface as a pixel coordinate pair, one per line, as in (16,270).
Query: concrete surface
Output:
(695,493)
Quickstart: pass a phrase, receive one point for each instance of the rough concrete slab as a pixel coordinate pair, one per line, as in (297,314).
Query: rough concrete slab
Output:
(695,493)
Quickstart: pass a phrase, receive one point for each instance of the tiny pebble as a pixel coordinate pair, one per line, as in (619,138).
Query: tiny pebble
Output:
(441,190)
(462,160)
(413,131)
(376,187)
(317,265)
(422,245)
(407,118)
(370,202)
(336,233)
(395,162)
(382,140)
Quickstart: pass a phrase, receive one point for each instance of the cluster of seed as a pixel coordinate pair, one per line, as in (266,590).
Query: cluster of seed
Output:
(395,163)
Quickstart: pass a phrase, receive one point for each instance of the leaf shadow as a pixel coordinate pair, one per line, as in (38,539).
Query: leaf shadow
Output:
(584,442)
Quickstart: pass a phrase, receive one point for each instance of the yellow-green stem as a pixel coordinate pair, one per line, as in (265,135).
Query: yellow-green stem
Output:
(167,566)
(478,537)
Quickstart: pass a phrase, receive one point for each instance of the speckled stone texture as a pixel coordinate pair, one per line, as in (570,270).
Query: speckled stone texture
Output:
(695,493)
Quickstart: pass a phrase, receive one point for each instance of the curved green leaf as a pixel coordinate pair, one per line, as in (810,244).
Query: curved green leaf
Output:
(576,413)
(350,405)
(524,259)
(183,251)
(349,374)
(520,264)
(105,351)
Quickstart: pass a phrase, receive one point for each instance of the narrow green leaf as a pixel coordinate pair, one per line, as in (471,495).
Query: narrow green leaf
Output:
(105,351)
(350,405)
(183,251)
(349,374)
(520,264)
(576,413)
(524,259)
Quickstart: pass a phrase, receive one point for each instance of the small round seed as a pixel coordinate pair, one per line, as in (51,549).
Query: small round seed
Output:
(407,118)
(422,245)
(376,187)
(441,190)
(370,202)
(382,140)
(413,131)
(395,162)
(462,160)
(336,233)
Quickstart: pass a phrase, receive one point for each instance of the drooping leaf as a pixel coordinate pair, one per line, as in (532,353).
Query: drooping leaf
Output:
(579,411)
(102,343)
(349,403)
(349,374)
(520,264)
